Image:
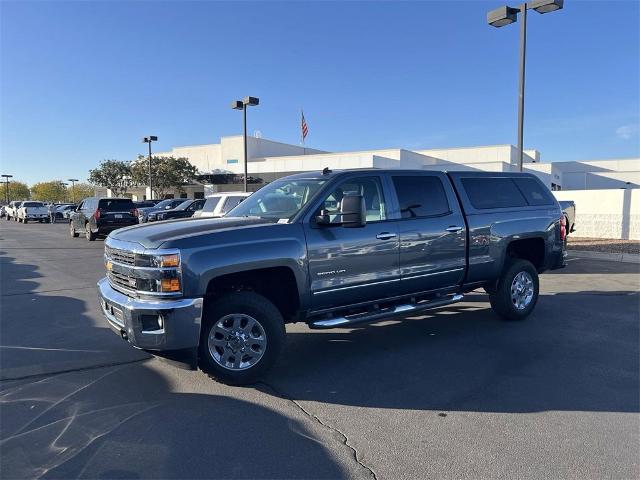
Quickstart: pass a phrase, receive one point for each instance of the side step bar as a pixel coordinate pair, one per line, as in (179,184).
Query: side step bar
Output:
(403,310)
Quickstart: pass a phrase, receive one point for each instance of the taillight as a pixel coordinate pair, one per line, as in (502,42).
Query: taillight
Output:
(134,212)
(96,214)
(563,228)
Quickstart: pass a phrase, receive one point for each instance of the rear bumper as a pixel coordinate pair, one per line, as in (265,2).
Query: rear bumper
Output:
(136,320)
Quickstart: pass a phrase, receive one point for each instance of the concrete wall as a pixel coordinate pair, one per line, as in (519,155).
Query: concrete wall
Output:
(611,213)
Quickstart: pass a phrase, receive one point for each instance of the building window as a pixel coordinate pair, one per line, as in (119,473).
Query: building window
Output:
(232,161)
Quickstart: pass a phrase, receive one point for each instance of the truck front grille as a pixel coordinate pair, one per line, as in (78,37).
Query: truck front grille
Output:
(121,256)
(124,281)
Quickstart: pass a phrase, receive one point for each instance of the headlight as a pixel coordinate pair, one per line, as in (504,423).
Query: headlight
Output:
(163,261)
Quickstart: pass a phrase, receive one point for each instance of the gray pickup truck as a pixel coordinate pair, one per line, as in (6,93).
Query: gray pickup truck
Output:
(330,249)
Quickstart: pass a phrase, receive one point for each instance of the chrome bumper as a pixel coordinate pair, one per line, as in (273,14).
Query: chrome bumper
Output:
(152,324)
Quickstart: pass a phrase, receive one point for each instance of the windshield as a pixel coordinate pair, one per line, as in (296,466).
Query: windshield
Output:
(32,204)
(164,203)
(280,200)
(184,205)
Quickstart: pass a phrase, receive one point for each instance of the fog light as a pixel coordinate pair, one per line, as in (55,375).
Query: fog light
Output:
(170,285)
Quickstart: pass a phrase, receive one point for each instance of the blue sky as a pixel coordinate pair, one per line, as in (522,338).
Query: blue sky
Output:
(84,81)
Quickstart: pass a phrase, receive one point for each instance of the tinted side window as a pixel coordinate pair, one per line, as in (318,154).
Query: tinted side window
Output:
(369,187)
(493,192)
(421,196)
(210,204)
(534,191)
(231,202)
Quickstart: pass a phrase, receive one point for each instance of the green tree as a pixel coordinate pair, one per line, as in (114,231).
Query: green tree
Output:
(52,191)
(112,174)
(81,190)
(167,173)
(17,191)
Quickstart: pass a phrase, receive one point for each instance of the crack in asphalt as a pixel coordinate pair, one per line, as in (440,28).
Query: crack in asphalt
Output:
(313,416)
(71,370)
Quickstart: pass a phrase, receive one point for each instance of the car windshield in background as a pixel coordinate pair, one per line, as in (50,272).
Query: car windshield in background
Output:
(33,204)
(279,200)
(164,203)
(184,205)
(116,204)
(210,204)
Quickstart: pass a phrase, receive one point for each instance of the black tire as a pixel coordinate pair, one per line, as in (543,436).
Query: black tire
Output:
(25,220)
(72,230)
(501,298)
(88,233)
(260,309)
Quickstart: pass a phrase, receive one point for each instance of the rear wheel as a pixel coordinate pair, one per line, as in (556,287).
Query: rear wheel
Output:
(25,220)
(72,230)
(516,293)
(241,338)
(89,234)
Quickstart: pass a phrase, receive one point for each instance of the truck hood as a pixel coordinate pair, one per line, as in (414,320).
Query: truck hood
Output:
(152,235)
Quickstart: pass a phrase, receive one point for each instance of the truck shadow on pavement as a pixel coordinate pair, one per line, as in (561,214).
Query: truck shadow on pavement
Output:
(576,352)
(129,420)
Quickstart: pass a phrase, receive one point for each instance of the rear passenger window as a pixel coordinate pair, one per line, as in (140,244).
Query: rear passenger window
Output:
(493,192)
(535,192)
(421,196)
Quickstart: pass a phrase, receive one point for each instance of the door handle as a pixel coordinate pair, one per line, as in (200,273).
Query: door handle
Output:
(454,228)
(386,236)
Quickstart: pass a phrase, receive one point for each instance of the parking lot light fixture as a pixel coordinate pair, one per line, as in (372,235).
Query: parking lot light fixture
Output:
(6,188)
(149,139)
(504,16)
(242,105)
(73,188)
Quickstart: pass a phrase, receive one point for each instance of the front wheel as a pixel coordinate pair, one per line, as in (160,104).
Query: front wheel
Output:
(516,294)
(25,220)
(241,338)
(72,230)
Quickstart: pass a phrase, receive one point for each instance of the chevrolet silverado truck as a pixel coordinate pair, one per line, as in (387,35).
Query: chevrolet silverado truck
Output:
(331,249)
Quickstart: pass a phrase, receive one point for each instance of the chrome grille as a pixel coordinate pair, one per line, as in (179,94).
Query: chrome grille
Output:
(123,281)
(121,256)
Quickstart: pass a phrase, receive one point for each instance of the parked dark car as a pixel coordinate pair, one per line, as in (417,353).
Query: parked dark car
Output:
(100,216)
(166,204)
(185,210)
(331,250)
(146,203)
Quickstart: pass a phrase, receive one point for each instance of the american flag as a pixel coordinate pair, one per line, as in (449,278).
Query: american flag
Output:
(303,127)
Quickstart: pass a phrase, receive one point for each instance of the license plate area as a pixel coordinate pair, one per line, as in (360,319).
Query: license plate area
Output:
(118,215)
(115,313)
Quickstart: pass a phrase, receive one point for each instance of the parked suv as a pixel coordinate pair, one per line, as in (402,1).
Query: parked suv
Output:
(221,203)
(100,216)
(332,250)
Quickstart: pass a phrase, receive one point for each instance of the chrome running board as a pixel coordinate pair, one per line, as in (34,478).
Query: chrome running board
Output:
(403,310)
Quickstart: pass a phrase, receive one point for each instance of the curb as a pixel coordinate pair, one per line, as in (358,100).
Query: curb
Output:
(611,257)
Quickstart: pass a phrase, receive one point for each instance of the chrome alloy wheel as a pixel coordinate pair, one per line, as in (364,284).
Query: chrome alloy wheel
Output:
(237,341)
(522,290)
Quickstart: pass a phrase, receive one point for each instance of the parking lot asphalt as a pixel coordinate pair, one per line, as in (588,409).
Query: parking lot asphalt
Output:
(455,393)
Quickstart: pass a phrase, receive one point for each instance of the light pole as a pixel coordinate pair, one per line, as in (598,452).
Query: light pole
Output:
(149,139)
(73,189)
(506,15)
(6,191)
(64,191)
(242,105)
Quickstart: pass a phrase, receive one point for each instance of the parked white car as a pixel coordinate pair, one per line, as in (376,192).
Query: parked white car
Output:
(33,211)
(11,210)
(221,203)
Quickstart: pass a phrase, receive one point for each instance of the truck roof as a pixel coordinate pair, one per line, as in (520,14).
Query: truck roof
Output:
(457,173)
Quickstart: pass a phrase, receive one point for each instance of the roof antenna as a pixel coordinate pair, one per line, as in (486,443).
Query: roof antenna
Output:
(326,171)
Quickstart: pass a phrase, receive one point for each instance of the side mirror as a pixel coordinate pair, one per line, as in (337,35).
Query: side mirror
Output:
(353,213)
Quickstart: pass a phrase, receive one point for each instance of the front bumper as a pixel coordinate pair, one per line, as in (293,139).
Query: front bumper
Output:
(136,320)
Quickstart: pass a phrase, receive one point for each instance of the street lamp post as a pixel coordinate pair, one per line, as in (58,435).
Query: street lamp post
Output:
(504,16)
(73,188)
(149,139)
(64,191)
(6,190)
(242,105)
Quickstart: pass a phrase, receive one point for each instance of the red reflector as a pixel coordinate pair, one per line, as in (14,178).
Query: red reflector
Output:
(563,228)
(96,214)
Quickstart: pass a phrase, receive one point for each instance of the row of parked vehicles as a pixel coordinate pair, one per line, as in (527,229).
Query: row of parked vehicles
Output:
(97,216)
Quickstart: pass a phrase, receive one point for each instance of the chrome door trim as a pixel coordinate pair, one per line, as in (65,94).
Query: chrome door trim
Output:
(357,286)
(433,273)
